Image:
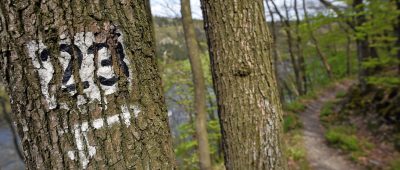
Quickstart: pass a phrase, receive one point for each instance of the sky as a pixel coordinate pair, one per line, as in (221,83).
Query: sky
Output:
(171,8)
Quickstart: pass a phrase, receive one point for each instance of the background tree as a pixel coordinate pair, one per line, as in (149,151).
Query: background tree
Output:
(84,84)
(199,85)
(244,80)
(295,64)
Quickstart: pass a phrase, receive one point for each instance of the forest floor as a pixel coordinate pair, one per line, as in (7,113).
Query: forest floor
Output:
(319,155)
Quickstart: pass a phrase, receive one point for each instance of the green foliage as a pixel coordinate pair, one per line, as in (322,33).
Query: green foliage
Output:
(380,62)
(395,164)
(388,81)
(327,113)
(295,106)
(296,153)
(295,150)
(4,96)
(291,122)
(341,94)
(185,150)
(344,137)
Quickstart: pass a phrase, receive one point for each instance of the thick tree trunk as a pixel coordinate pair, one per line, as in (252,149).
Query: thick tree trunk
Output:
(242,69)
(320,54)
(84,86)
(199,86)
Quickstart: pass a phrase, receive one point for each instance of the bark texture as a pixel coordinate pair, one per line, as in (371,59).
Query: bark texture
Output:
(199,86)
(242,69)
(84,85)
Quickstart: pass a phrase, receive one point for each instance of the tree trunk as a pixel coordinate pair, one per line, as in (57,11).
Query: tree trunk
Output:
(363,49)
(397,33)
(296,69)
(84,85)
(199,86)
(348,57)
(242,69)
(302,64)
(275,54)
(321,55)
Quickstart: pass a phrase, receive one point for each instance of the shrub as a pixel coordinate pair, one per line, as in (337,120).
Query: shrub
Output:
(295,107)
(395,164)
(291,122)
(341,94)
(342,138)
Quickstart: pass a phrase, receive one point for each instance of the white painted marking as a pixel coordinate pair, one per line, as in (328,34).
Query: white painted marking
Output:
(112,119)
(106,71)
(71,155)
(126,116)
(81,101)
(45,70)
(136,110)
(83,41)
(64,106)
(81,134)
(98,123)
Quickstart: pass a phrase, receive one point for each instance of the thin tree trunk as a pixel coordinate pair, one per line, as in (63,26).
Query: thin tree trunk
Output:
(199,86)
(397,33)
(242,69)
(275,53)
(296,70)
(302,64)
(363,49)
(84,86)
(348,57)
(320,54)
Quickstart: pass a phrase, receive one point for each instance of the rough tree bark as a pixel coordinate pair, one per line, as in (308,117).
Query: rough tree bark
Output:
(84,86)
(242,69)
(321,55)
(199,86)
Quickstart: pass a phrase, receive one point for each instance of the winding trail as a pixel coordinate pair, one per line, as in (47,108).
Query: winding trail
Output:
(319,155)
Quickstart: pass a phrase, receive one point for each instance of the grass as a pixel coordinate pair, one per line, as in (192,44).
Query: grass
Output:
(341,94)
(295,106)
(327,114)
(395,164)
(295,151)
(291,122)
(344,138)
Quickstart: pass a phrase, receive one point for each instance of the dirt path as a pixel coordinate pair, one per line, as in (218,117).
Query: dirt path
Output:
(319,155)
